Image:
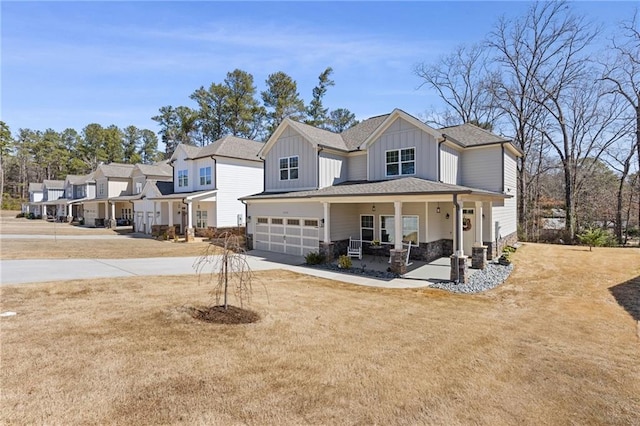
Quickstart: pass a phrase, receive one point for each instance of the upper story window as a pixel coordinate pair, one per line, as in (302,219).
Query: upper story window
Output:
(289,168)
(101,189)
(205,175)
(401,162)
(183,178)
(138,187)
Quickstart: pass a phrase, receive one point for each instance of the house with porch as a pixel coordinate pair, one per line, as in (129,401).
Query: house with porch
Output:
(35,199)
(391,180)
(207,183)
(111,181)
(52,193)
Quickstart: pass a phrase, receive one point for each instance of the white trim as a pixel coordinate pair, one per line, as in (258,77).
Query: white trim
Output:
(373,228)
(401,227)
(395,114)
(399,150)
(289,168)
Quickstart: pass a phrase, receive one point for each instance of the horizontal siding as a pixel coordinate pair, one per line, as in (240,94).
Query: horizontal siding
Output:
(291,144)
(301,209)
(449,162)
(237,179)
(181,163)
(481,168)
(333,169)
(357,167)
(402,134)
(345,222)
(507,214)
(196,166)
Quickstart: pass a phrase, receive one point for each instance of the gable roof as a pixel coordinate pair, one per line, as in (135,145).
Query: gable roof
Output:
(233,147)
(79,179)
(53,184)
(35,186)
(116,170)
(157,169)
(356,135)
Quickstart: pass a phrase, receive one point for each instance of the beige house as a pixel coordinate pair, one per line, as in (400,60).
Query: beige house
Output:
(391,179)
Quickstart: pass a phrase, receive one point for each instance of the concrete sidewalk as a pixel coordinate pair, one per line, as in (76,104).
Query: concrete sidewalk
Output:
(41,270)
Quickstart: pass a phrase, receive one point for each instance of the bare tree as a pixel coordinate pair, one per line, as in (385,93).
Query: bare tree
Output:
(460,79)
(622,76)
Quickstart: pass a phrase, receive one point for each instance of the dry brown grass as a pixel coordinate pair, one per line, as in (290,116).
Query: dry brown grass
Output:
(552,345)
(60,248)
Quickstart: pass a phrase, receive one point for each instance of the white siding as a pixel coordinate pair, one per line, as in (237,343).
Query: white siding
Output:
(119,187)
(505,214)
(449,158)
(54,194)
(285,209)
(333,169)
(402,134)
(196,166)
(288,145)
(357,167)
(181,163)
(345,222)
(480,168)
(237,178)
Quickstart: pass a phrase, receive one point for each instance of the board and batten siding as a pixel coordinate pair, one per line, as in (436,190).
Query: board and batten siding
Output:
(357,167)
(290,144)
(236,178)
(119,187)
(449,162)
(333,169)
(402,134)
(480,168)
(504,213)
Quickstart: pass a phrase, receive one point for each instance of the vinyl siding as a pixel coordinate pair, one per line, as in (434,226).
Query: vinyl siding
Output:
(357,167)
(505,214)
(480,168)
(345,222)
(333,169)
(299,209)
(237,178)
(119,187)
(449,160)
(181,163)
(402,134)
(291,144)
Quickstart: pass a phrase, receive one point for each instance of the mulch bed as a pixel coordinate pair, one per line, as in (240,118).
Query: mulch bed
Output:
(220,315)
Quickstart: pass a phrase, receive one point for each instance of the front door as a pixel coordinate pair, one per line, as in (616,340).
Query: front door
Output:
(468,234)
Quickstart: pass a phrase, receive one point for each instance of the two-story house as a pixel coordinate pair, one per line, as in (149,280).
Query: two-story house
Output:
(52,199)
(391,179)
(78,190)
(111,181)
(36,195)
(207,183)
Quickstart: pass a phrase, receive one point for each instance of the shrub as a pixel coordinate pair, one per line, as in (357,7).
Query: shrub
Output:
(19,215)
(594,237)
(505,258)
(314,258)
(344,262)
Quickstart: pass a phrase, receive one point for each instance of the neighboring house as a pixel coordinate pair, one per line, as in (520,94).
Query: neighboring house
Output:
(111,181)
(35,199)
(52,194)
(390,178)
(78,189)
(207,183)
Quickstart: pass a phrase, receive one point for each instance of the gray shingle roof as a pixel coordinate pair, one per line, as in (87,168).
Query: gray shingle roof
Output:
(470,135)
(116,170)
(404,186)
(356,135)
(35,186)
(165,188)
(319,136)
(229,146)
(79,179)
(158,169)
(53,184)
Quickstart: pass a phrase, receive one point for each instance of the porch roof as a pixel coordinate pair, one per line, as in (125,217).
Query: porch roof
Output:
(188,196)
(401,186)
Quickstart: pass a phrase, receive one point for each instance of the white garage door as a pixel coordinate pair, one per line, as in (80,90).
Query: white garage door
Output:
(295,236)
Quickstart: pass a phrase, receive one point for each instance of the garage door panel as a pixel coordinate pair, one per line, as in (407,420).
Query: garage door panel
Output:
(294,236)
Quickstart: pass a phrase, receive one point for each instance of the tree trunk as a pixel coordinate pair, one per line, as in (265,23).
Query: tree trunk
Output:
(568,200)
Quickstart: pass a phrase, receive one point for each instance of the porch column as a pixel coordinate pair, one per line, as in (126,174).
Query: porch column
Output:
(459,246)
(458,272)
(327,248)
(170,213)
(426,223)
(190,233)
(479,250)
(69,210)
(398,253)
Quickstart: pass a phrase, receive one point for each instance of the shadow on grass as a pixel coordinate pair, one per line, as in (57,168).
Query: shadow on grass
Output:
(627,295)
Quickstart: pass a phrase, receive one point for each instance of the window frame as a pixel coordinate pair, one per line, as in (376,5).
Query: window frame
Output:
(205,175)
(404,230)
(183,178)
(373,227)
(399,162)
(200,216)
(288,168)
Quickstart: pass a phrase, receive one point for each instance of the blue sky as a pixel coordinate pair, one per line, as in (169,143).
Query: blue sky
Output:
(68,64)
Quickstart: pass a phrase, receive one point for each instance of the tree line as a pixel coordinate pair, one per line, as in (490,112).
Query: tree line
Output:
(234,107)
(571,107)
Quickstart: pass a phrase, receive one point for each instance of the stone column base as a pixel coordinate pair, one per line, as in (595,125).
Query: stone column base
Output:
(190,235)
(459,269)
(398,259)
(111,223)
(326,249)
(479,257)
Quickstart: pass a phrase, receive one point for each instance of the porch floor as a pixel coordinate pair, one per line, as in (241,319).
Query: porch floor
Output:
(435,271)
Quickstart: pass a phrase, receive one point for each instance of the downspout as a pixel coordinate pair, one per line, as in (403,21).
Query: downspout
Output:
(444,139)
(318,167)
(458,236)
(502,168)
(246,221)
(215,174)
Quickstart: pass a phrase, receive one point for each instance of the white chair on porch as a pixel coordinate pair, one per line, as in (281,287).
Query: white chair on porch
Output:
(355,248)
(406,245)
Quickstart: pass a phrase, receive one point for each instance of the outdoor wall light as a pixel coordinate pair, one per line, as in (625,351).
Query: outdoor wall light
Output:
(447,216)
(322,223)
(373,208)
(438,209)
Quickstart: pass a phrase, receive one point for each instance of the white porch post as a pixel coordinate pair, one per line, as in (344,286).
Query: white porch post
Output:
(170,213)
(113,211)
(327,222)
(397,205)
(458,227)
(426,223)
(69,209)
(478,224)
(189,214)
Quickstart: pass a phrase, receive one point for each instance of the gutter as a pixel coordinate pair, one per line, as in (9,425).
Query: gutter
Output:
(502,168)
(438,167)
